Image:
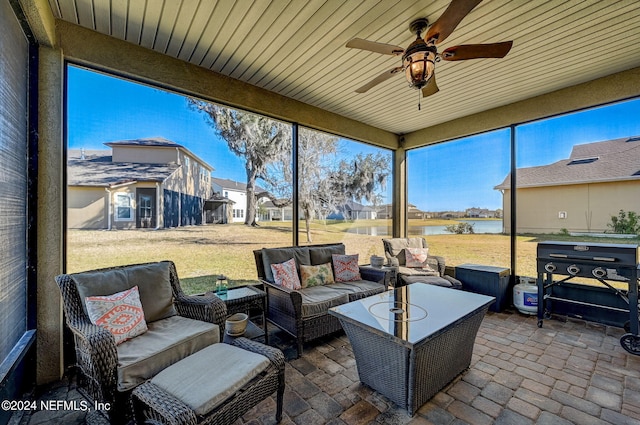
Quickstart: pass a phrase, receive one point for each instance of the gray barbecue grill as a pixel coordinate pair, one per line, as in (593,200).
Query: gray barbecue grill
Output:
(603,262)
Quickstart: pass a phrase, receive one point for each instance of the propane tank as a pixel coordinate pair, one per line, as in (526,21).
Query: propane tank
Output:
(525,295)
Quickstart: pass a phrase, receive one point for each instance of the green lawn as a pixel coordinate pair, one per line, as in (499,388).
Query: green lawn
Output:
(201,253)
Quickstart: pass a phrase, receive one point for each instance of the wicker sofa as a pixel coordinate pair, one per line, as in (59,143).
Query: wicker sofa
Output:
(178,326)
(303,313)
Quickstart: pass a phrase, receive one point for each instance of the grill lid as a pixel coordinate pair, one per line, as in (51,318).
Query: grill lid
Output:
(619,254)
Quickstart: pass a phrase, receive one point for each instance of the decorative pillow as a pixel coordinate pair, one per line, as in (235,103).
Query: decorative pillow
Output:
(316,275)
(120,313)
(286,275)
(346,267)
(417,257)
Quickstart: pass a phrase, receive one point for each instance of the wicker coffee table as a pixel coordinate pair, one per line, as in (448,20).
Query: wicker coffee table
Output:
(412,341)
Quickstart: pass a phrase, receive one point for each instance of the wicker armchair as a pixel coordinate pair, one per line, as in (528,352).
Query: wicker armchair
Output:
(95,347)
(394,250)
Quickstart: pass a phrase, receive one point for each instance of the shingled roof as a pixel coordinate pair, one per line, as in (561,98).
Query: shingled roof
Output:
(95,168)
(149,141)
(608,161)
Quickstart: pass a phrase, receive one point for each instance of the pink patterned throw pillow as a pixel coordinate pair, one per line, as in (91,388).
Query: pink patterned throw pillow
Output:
(120,313)
(286,275)
(345,267)
(416,257)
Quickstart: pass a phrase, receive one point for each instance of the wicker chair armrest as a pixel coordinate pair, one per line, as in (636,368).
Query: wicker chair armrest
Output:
(294,297)
(271,285)
(97,338)
(439,262)
(275,356)
(372,275)
(96,352)
(208,308)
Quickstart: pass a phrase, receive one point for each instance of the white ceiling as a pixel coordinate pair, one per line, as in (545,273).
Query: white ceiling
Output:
(296,48)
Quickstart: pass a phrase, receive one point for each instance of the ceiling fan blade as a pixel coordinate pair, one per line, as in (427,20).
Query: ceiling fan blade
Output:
(380,78)
(431,87)
(449,20)
(372,46)
(475,51)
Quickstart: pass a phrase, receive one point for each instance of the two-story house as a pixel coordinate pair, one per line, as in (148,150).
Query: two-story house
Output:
(142,183)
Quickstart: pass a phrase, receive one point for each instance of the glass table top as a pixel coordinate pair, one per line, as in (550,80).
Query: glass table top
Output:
(413,312)
(239,293)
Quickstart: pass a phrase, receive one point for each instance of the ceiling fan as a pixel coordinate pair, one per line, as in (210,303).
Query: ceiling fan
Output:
(418,60)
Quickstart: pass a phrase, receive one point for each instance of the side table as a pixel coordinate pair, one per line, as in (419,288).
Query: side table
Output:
(241,300)
(487,280)
(390,274)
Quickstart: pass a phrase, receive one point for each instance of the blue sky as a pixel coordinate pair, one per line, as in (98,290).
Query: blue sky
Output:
(103,109)
(461,174)
(449,176)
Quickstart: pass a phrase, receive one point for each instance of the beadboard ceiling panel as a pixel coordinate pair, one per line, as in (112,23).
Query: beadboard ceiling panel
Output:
(297,48)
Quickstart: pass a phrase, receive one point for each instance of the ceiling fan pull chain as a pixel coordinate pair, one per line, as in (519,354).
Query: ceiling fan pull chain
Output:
(419,100)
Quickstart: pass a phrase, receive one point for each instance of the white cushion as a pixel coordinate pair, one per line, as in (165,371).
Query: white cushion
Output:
(166,342)
(207,378)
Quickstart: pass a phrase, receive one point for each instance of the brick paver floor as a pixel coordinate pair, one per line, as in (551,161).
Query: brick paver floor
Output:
(568,371)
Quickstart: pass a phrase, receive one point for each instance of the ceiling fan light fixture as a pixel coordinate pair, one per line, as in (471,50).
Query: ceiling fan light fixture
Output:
(419,66)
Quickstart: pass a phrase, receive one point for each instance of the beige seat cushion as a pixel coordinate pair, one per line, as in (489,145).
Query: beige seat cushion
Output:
(414,271)
(317,300)
(207,378)
(358,289)
(152,280)
(166,342)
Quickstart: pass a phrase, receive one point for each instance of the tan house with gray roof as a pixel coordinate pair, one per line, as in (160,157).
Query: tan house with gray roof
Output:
(142,183)
(580,193)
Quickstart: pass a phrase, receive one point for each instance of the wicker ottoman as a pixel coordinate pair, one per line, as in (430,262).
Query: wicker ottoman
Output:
(216,385)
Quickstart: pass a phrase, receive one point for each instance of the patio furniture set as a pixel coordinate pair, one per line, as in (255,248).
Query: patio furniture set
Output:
(154,354)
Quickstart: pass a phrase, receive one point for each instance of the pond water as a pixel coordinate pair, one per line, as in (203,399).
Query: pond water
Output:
(479,226)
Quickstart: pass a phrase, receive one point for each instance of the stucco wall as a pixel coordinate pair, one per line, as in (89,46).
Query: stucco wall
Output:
(145,155)
(87,208)
(586,207)
(49,360)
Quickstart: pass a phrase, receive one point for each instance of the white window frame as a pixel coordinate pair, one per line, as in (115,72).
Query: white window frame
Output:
(118,196)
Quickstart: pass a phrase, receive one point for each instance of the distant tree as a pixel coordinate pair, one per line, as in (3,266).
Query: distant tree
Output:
(260,141)
(316,162)
(362,177)
(326,183)
(460,228)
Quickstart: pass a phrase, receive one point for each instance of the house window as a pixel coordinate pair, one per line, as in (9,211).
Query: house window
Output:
(124,212)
